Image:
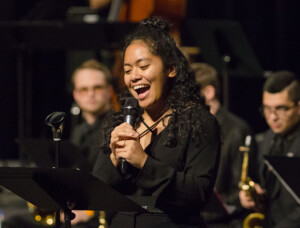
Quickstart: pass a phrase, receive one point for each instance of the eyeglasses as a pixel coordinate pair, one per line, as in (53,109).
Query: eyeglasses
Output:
(96,89)
(279,111)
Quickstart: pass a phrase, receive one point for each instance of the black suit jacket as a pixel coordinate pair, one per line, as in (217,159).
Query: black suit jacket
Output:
(283,210)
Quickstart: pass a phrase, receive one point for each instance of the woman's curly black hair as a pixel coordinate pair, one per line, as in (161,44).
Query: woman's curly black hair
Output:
(184,94)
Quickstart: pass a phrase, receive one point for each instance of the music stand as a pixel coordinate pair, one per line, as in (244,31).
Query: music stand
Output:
(224,46)
(42,152)
(66,189)
(219,38)
(286,170)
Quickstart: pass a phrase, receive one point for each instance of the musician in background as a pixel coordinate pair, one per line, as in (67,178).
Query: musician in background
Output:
(281,109)
(233,133)
(92,92)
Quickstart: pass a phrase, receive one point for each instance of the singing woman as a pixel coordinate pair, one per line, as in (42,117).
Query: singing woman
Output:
(174,147)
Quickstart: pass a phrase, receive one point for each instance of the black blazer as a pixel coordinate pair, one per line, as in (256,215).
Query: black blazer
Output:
(283,210)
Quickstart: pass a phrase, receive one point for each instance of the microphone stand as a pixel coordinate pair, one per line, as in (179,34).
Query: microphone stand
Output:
(55,120)
(57,138)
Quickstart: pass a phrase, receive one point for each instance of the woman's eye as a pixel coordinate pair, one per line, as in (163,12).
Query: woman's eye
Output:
(127,71)
(144,67)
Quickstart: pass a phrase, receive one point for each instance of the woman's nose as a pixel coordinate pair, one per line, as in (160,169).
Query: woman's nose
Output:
(135,76)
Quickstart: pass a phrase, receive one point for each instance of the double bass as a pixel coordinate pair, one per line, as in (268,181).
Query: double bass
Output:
(173,10)
(136,10)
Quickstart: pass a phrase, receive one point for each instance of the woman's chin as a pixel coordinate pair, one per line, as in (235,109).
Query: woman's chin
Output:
(145,103)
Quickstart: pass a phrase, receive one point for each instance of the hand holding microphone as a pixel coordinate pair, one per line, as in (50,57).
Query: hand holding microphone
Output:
(125,146)
(130,112)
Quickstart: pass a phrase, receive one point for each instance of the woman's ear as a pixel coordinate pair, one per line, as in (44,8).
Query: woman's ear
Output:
(172,73)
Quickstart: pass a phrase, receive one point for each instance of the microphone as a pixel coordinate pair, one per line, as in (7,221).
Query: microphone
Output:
(55,120)
(130,112)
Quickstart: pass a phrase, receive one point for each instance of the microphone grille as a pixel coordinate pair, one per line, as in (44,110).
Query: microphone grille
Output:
(131,107)
(131,102)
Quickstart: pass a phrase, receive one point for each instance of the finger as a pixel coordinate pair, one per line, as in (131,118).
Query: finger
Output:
(258,189)
(127,134)
(124,130)
(117,137)
(120,144)
(114,139)
(250,204)
(121,153)
(126,125)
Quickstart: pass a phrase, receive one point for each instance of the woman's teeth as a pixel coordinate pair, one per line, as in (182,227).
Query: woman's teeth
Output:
(140,87)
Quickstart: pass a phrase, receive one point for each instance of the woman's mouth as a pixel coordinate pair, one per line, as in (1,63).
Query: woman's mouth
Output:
(142,91)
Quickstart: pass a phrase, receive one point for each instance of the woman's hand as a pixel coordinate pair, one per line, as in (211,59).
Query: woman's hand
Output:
(124,143)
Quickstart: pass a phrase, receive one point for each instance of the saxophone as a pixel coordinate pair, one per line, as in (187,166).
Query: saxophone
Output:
(253,220)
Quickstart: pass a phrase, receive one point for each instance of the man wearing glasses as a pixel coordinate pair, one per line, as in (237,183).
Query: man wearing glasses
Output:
(281,109)
(92,92)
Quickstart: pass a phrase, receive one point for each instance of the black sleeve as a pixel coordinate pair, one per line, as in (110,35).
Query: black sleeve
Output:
(105,170)
(194,183)
(292,220)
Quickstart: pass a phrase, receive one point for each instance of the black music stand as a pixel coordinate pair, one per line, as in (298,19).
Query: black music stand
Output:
(286,170)
(42,153)
(224,46)
(219,38)
(66,189)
